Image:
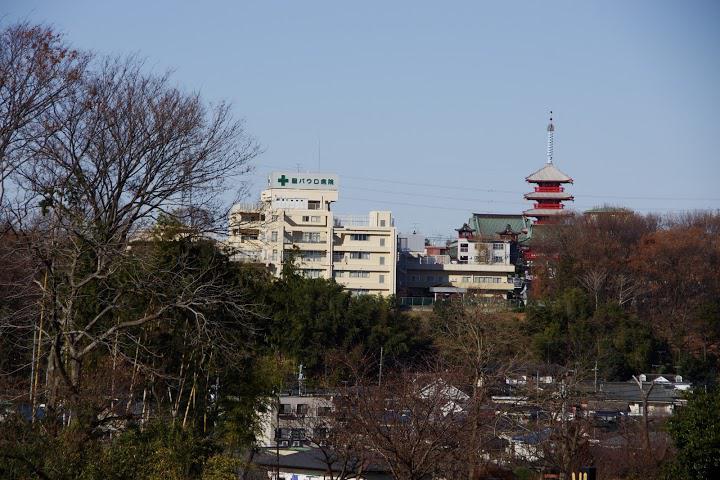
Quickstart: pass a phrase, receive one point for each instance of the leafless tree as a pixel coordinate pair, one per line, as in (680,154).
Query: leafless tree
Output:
(414,423)
(117,152)
(37,71)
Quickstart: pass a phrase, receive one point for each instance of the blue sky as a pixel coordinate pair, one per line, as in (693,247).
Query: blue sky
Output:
(438,109)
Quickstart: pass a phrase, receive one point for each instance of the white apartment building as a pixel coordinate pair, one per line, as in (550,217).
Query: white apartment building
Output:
(294,218)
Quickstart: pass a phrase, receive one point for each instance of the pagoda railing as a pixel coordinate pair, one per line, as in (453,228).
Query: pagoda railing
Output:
(550,189)
(549,206)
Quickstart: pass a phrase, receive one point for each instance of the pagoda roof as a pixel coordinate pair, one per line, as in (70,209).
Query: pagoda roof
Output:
(465,228)
(543,212)
(549,196)
(548,173)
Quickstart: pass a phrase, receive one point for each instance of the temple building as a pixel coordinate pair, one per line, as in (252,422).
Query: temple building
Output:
(549,193)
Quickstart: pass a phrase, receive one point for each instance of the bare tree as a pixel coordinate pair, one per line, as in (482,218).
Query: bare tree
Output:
(111,157)
(413,423)
(36,72)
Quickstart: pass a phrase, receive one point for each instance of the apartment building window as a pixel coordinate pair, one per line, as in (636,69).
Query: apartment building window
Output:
(338,274)
(310,237)
(382,223)
(360,255)
(382,242)
(359,291)
(313,204)
(338,256)
(464,247)
(466,279)
(274,236)
(315,219)
(359,274)
(312,273)
(382,260)
(497,258)
(381,279)
(301,408)
(274,255)
(285,409)
(498,246)
(360,237)
(306,218)
(313,255)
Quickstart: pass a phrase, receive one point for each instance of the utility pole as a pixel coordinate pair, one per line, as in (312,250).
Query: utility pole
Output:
(381,365)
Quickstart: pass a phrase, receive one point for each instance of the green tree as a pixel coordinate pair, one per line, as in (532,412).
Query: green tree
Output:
(695,430)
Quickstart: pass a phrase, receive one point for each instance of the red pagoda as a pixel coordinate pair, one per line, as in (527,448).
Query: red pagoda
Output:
(549,192)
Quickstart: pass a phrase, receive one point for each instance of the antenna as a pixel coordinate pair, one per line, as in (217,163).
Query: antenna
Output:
(318,155)
(298,167)
(550,139)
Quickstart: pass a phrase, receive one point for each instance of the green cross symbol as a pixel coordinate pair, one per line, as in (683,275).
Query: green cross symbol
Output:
(283,180)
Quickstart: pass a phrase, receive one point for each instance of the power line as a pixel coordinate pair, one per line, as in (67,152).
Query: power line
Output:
(515,192)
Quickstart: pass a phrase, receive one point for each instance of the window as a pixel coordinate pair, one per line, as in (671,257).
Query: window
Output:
(361,237)
(310,237)
(285,409)
(497,258)
(274,255)
(315,219)
(359,275)
(301,409)
(313,255)
(466,279)
(312,273)
(274,236)
(381,279)
(382,223)
(498,246)
(306,218)
(464,247)
(382,242)
(338,274)
(313,205)
(359,255)
(382,260)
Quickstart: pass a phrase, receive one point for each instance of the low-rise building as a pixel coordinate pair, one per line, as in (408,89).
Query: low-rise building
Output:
(471,267)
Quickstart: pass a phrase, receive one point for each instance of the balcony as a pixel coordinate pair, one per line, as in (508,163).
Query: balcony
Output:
(550,189)
(549,206)
(351,221)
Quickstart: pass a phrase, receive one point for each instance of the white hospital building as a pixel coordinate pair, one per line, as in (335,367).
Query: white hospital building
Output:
(295,215)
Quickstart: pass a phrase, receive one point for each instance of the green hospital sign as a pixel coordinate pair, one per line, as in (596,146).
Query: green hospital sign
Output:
(308,181)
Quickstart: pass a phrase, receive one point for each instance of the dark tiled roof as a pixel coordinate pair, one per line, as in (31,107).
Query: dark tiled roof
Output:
(486,225)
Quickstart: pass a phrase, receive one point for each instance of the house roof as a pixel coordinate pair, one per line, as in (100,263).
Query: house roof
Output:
(307,458)
(487,225)
(629,391)
(549,173)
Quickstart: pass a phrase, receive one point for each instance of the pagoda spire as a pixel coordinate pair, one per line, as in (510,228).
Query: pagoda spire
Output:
(550,139)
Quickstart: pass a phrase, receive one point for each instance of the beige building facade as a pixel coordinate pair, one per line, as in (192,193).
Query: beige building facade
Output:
(294,220)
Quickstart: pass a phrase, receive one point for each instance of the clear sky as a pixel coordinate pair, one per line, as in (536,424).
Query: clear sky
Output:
(438,109)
